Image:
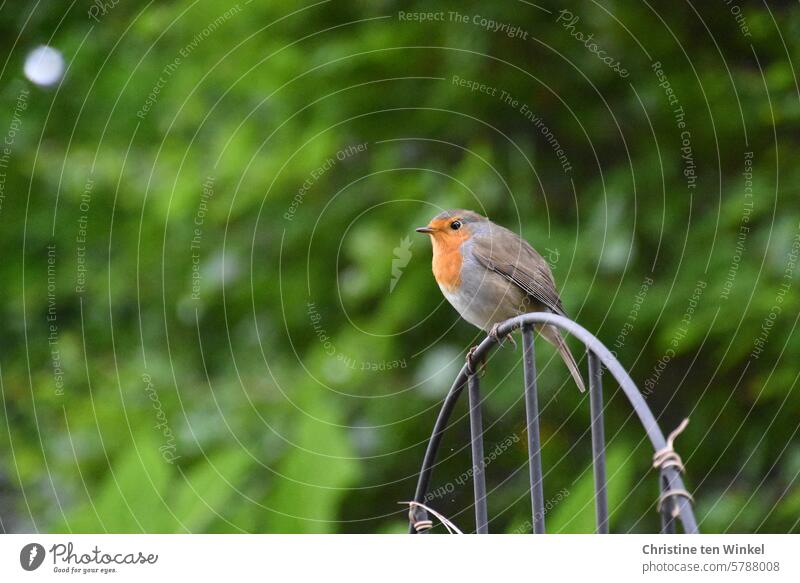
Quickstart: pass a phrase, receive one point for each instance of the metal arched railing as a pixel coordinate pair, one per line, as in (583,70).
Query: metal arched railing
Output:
(674,502)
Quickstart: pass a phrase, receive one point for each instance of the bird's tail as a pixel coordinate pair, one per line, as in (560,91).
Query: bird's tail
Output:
(553,336)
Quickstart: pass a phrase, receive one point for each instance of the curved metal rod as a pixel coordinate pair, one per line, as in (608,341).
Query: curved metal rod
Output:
(598,442)
(611,363)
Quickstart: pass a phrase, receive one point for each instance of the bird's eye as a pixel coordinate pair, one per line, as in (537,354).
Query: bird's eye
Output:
(455,225)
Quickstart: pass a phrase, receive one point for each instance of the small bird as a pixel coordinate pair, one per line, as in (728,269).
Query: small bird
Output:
(490,274)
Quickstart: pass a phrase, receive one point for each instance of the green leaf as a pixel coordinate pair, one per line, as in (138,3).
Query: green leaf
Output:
(307,495)
(203,494)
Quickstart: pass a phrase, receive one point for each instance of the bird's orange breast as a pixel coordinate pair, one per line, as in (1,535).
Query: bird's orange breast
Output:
(447,261)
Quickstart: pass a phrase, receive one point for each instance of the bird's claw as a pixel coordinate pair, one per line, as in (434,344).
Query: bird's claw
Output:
(470,362)
(471,368)
(495,333)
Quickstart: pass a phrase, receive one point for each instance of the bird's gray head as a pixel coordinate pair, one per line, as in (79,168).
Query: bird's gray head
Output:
(451,221)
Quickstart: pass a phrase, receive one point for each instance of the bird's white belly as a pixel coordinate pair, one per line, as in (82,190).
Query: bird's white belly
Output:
(479,306)
(461,303)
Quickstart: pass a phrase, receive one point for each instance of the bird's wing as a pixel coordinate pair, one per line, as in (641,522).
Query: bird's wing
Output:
(514,259)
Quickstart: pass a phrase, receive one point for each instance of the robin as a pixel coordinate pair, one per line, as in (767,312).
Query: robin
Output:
(490,274)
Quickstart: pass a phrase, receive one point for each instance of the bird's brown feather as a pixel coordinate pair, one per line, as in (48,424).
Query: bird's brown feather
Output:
(510,256)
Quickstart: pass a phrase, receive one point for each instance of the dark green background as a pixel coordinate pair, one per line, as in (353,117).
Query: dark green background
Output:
(277,431)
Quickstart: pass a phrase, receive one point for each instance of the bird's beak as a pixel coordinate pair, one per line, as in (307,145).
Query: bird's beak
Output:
(424,230)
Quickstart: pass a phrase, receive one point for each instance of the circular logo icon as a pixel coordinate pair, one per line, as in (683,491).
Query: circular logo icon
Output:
(31,556)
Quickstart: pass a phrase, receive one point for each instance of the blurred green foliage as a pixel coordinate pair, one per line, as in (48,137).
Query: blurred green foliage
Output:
(295,392)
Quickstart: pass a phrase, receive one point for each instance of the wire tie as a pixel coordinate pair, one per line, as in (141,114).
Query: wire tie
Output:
(667,457)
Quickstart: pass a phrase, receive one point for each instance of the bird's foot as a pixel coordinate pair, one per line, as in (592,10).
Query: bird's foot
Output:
(510,338)
(472,365)
(494,333)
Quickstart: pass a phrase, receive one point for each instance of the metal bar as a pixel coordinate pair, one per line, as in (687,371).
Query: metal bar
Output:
(667,521)
(450,401)
(611,364)
(626,384)
(598,442)
(532,418)
(433,447)
(478,475)
(684,506)
(672,482)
